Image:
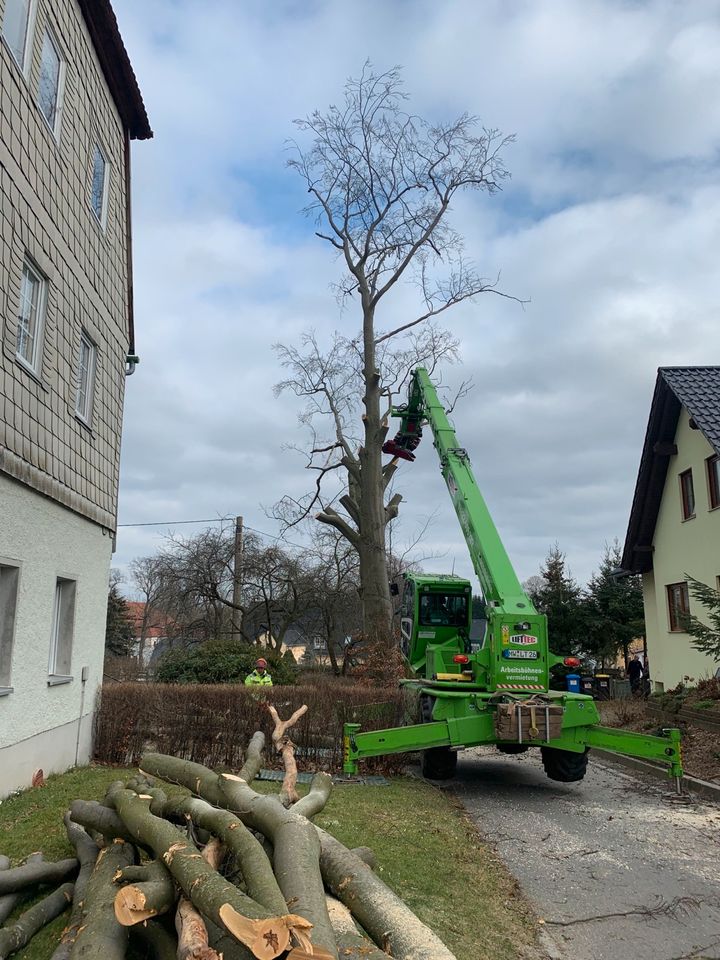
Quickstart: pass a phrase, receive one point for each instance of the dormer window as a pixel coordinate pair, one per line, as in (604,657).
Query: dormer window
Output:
(687,495)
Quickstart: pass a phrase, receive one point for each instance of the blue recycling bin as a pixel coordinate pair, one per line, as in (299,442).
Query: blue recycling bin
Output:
(573,682)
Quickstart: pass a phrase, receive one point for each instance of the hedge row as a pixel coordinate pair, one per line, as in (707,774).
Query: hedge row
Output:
(212,724)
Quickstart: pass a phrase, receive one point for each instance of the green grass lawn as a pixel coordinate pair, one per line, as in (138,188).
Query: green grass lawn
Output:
(427,851)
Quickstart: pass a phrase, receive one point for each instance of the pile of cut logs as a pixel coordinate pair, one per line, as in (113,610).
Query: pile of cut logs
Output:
(225,872)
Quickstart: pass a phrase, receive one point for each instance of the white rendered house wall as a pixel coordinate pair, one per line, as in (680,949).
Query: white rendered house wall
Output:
(46,721)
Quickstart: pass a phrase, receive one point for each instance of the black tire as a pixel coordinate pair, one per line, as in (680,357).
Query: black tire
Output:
(439,763)
(564,765)
(513,747)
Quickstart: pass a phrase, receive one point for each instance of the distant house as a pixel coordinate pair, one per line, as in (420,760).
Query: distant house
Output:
(150,628)
(674,528)
(70,107)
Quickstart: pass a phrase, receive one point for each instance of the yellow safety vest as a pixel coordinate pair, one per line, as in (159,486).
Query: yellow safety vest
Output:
(255,678)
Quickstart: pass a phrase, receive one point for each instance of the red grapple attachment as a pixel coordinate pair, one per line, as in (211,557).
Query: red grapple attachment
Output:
(405,440)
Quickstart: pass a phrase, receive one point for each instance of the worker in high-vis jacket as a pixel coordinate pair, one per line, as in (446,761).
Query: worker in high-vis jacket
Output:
(259,676)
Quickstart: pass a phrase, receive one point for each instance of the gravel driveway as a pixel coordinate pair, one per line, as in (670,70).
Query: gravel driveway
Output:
(611,844)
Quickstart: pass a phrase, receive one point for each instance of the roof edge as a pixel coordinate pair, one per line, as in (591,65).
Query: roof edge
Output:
(117,69)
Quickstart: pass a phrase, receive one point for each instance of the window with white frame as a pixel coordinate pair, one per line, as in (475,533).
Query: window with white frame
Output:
(49,91)
(16,28)
(98,194)
(31,318)
(61,639)
(9,576)
(86,378)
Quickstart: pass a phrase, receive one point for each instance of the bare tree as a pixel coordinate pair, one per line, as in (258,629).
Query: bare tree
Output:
(189,585)
(381,183)
(146,577)
(335,611)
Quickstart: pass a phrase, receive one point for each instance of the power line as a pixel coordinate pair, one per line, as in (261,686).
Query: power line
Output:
(177,523)
(174,523)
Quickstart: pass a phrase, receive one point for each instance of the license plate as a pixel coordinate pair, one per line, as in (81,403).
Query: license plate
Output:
(520,654)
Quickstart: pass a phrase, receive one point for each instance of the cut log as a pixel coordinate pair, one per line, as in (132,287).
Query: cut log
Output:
(10,901)
(210,892)
(191,930)
(150,893)
(100,936)
(15,936)
(390,922)
(351,943)
(225,944)
(317,797)
(253,757)
(260,882)
(192,934)
(366,855)
(98,818)
(265,938)
(295,841)
(160,943)
(31,873)
(87,853)
(286,748)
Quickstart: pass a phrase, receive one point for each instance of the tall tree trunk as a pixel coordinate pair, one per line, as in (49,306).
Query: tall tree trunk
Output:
(376,603)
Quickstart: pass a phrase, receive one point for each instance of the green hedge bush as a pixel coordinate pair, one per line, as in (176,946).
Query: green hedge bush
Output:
(222,661)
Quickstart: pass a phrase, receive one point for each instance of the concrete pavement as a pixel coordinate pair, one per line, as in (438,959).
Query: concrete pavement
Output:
(615,868)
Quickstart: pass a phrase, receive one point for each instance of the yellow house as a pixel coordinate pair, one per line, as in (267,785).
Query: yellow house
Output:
(674,528)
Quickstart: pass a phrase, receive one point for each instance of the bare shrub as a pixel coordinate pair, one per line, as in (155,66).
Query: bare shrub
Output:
(213,724)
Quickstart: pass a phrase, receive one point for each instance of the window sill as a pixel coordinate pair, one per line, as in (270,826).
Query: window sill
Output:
(6,691)
(691,517)
(54,133)
(56,680)
(100,224)
(84,424)
(26,368)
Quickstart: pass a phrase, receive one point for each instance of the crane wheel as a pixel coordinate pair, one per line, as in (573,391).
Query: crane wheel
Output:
(564,765)
(438,763)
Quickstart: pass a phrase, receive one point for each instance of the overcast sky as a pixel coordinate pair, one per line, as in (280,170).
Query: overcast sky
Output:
(609,227)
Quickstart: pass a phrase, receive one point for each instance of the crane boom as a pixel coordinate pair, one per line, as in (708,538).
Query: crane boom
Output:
(492,565)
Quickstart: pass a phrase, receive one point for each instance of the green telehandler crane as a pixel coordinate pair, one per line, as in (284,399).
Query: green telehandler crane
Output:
(498,691)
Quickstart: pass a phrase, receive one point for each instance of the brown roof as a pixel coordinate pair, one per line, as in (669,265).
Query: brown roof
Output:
(116,66)
(158,624)
(698,390)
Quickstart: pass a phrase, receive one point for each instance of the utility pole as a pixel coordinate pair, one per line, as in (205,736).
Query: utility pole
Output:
(237,580)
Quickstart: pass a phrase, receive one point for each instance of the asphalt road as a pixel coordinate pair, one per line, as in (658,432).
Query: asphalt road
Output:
(611,844)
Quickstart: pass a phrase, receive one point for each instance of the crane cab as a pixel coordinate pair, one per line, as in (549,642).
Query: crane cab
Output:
(435,621)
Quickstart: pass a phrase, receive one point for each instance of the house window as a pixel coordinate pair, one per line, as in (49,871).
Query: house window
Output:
(86,378)
(713,472)
(50,81)
(9,576)
(31,316)
(98,196)
(687,493)
(16,28)
(678,605)
(61,639)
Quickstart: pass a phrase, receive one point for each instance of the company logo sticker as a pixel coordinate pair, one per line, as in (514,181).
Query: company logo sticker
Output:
(505,634)
(523,639)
